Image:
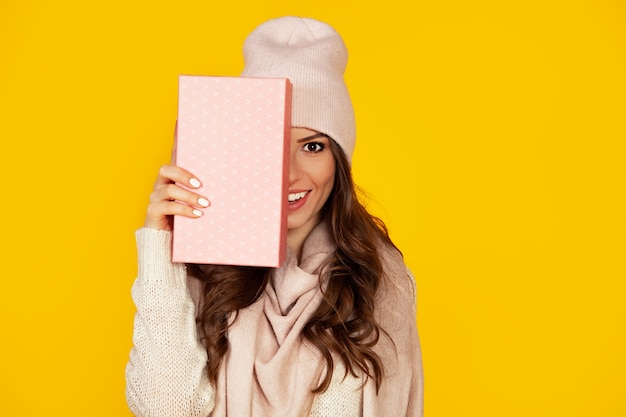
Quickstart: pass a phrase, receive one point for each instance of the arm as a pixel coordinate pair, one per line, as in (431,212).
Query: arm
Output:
(402,391)
(166,373)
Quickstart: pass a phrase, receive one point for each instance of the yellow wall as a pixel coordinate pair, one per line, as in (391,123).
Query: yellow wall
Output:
(492,137)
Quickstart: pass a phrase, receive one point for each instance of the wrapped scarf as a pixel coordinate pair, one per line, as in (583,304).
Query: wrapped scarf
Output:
(270,370)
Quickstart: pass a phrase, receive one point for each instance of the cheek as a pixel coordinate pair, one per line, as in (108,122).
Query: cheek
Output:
(327,179)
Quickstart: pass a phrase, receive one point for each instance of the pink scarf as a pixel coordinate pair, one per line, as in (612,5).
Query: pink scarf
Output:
(270,370)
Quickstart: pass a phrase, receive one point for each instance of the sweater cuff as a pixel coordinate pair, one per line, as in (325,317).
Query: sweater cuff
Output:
(154,250)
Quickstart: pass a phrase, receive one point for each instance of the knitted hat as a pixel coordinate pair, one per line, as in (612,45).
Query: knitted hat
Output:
(312,55)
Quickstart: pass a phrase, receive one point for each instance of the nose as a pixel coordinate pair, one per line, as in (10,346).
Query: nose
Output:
(294,167)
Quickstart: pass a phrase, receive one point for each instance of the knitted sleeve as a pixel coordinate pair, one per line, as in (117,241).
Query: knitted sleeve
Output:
(166,373)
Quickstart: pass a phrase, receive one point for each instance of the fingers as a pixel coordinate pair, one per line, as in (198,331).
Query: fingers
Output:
(171,173)
(159,215)
(169,198)
(173,191)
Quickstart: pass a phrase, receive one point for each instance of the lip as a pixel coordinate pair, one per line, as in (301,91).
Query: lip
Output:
(293,206)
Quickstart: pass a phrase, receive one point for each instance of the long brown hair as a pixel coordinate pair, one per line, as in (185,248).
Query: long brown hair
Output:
(344,324)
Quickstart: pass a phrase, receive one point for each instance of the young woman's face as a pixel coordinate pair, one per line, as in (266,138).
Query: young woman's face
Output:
(311,179)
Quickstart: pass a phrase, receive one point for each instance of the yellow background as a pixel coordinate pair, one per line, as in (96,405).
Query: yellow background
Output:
(491,137)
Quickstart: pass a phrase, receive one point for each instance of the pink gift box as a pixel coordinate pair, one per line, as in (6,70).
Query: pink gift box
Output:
(234,134)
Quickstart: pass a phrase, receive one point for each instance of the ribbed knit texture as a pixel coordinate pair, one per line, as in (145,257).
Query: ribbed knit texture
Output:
(312,55)
(166,374)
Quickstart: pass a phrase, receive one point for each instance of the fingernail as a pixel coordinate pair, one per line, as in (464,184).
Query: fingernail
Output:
(197,213)
(203,202)
(195,183)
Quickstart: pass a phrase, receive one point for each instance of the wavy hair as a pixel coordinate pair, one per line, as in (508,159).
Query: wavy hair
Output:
(344,324)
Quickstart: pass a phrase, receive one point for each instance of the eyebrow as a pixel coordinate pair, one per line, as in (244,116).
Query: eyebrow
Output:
(314,136)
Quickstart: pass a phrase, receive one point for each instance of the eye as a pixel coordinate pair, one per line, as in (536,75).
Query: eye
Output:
(313,147)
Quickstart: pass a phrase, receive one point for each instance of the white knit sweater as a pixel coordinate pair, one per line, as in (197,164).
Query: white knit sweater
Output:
(166,373)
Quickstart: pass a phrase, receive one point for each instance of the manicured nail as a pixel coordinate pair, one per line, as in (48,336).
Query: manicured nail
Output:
(195,183)
(197,213)
(203,202)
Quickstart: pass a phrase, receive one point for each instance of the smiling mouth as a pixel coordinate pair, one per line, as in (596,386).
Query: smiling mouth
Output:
(293,197)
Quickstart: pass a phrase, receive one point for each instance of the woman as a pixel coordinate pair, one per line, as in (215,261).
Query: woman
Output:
(330,333)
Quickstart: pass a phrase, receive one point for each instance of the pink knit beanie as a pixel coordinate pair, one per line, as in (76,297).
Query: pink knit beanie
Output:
(312,55)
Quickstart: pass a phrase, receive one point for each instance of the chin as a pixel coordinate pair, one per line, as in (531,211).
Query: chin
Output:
(292,225)
(295,223)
